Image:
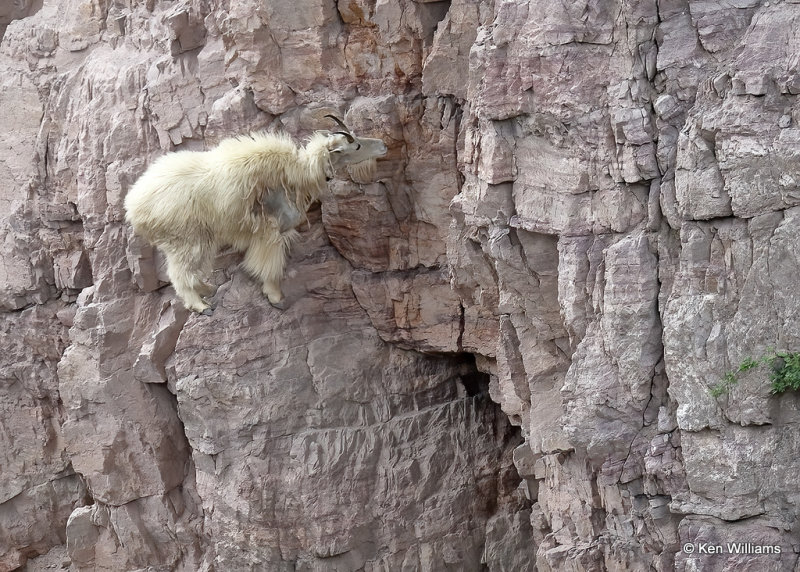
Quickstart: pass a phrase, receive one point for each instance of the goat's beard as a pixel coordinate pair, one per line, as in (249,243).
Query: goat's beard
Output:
(363,172)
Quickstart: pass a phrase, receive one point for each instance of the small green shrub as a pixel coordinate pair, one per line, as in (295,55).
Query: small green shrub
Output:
(784,374)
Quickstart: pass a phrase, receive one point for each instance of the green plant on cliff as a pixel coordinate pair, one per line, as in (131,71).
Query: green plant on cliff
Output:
(784,372)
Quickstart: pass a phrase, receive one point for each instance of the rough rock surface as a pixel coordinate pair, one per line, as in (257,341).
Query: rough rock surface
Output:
(497,354)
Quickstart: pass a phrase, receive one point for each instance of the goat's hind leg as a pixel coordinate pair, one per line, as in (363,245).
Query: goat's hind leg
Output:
(265,260)
(184,266)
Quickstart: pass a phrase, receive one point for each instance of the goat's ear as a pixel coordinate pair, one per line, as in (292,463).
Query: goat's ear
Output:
(336,143)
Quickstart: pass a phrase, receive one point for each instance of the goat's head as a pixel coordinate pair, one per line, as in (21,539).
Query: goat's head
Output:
(359,153)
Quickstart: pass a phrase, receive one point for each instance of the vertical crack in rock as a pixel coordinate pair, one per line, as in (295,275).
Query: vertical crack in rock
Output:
(461,322)
(588,213)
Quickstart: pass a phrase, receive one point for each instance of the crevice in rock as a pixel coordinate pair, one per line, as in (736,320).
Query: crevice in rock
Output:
(461,326)
(457,116)
(475,382)
(431,14)
(172,401)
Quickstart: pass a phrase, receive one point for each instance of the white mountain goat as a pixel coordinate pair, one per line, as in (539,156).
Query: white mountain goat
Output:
(249,192)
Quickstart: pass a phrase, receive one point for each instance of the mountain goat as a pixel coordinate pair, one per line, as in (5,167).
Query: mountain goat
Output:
(250,192)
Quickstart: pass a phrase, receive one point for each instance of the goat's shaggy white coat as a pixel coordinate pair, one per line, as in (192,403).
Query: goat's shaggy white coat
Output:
(249,192)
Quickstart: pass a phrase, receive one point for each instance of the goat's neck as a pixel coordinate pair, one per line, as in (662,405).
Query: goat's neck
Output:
(317,160)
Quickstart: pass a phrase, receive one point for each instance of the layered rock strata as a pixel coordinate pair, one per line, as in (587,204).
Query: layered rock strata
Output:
(498,354)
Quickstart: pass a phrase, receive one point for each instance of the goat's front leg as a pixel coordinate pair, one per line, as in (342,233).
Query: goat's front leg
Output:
(265,260)
(185,264)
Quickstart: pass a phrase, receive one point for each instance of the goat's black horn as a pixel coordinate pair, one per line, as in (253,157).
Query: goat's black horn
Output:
(340,123)
(350,138)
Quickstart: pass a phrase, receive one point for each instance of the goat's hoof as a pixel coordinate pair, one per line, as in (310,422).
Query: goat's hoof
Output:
(208,312)
(279,305)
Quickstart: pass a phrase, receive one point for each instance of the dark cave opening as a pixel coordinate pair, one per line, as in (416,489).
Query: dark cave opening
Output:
(475,382)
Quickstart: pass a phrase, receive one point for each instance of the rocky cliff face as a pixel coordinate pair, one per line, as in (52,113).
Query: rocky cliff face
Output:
(498,355)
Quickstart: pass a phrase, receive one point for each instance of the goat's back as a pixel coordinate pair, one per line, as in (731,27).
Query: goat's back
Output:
(175,191)
(185,193)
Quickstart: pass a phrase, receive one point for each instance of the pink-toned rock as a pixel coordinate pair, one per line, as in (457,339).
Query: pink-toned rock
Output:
(39,488)
(264,396)
(426,323)
(496,354)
